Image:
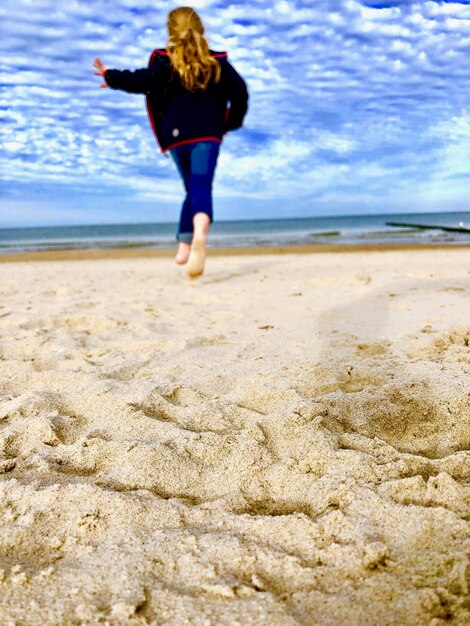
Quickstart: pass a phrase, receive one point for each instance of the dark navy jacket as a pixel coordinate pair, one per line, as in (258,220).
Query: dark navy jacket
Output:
(178,115)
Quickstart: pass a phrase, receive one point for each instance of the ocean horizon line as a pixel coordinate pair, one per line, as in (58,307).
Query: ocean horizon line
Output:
(235,220)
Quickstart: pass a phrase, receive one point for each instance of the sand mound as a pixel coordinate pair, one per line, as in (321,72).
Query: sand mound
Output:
(418,410)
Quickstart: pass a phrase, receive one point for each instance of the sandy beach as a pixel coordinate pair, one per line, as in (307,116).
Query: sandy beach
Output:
(283,441)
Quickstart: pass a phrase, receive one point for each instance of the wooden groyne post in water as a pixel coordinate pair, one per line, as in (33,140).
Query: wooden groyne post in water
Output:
(452,229)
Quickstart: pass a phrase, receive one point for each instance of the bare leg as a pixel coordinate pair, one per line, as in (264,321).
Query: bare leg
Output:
(183,253)
(197,256)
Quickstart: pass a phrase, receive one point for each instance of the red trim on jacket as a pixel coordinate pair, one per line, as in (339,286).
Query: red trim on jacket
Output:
(147,104)
(195,140)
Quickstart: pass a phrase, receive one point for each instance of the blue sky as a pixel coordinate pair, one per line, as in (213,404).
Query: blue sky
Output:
(355,107)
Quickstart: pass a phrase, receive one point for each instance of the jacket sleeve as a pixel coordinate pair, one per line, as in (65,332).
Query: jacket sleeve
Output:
(237,93)
(138,81)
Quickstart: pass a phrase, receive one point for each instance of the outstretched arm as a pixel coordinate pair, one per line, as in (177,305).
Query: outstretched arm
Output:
(138,81)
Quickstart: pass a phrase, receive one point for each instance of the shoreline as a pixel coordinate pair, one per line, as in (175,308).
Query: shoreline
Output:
(124,253)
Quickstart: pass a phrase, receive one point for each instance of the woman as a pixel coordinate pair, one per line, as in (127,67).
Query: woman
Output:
(188,88)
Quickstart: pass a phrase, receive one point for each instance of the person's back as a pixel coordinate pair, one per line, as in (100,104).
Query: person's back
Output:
(180,114)
(188,88)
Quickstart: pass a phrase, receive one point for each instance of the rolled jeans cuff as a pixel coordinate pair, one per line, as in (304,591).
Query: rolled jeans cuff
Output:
(185,237)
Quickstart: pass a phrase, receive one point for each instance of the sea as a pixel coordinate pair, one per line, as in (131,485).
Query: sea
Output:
(318,231)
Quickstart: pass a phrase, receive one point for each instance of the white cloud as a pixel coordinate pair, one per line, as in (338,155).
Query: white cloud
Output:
(454,151)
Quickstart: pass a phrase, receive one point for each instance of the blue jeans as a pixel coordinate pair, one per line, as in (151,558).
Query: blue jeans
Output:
(196,164)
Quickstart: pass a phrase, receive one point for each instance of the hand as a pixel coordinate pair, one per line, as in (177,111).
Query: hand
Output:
(101,71)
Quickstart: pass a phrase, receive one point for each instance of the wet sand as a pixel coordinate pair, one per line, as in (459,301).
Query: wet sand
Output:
(137,253)
(282,441)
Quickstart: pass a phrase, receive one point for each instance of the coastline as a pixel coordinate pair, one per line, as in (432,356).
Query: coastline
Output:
(126,253)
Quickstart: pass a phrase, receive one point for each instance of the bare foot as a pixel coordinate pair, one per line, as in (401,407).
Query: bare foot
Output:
(197,257)
(183,253)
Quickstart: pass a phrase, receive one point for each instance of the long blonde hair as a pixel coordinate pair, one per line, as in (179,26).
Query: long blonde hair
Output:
(189,51)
